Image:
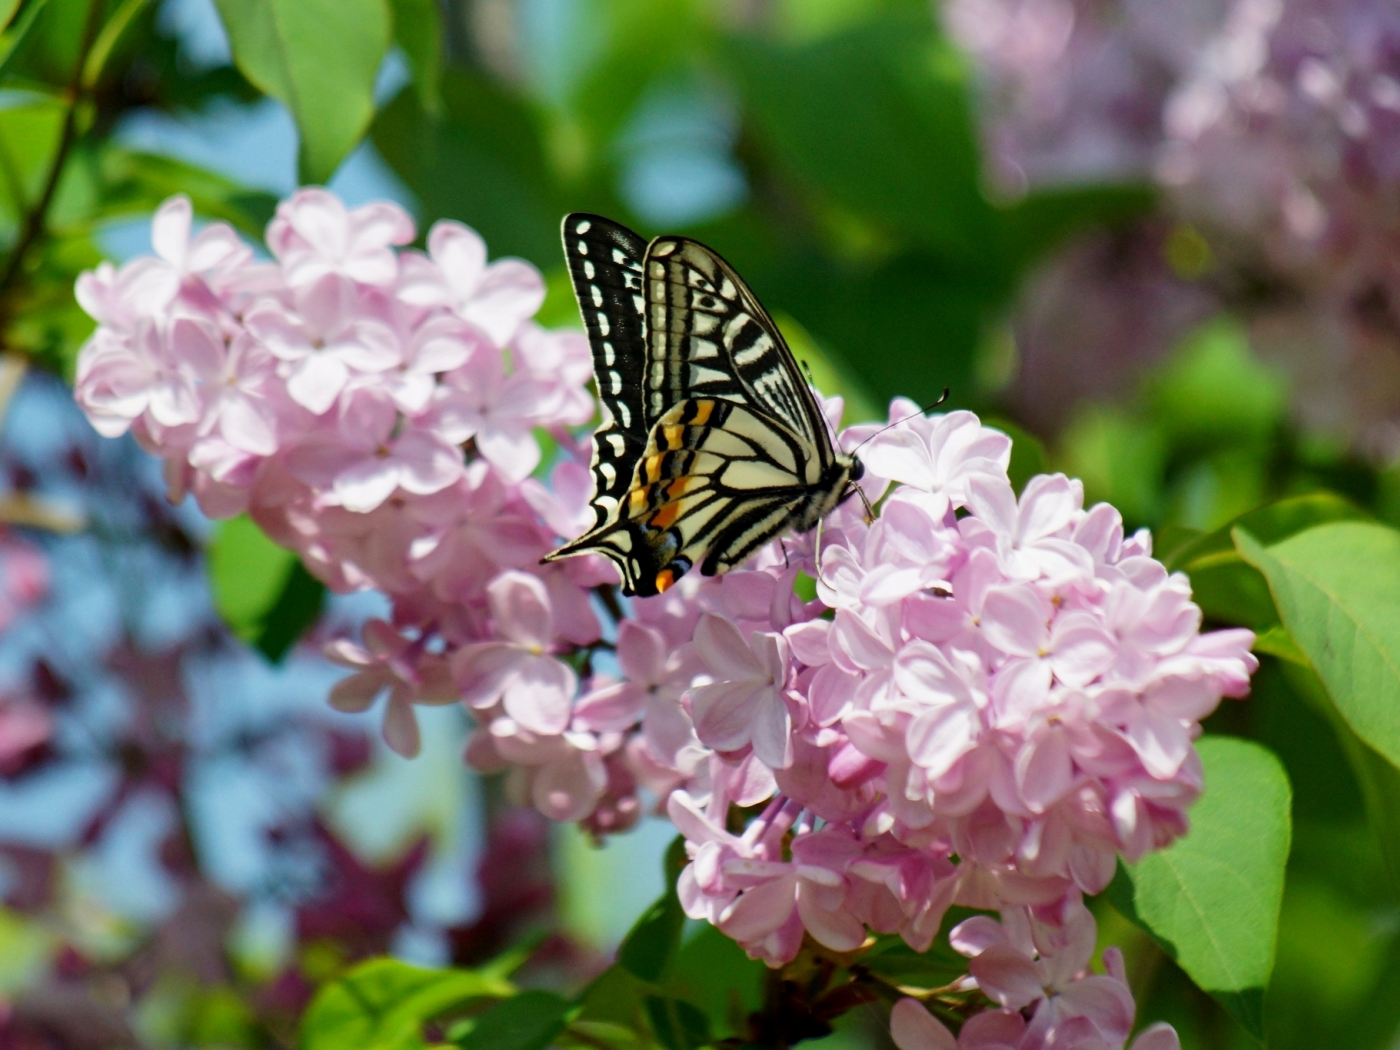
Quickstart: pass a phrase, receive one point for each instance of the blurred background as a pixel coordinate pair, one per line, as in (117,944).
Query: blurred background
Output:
(1158,241)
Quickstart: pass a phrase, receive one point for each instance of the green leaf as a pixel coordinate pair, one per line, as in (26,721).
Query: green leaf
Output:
(1377,778)
(29,134)
(1226,587)
(877,119)
(1211,899)
(1269,524)
(260,589)
(713,972)
(107,39)
(678,1025)
(528,1021)
(7,12)
(14,38)
(480,162)
(1337,588)
(382,1004)
(319,58)
(418,30)
(136,183)
(652,942)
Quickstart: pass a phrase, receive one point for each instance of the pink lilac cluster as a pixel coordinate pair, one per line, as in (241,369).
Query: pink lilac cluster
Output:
(1273,129)
(976,698)
(1034,965)
(1282,143)
(376,410)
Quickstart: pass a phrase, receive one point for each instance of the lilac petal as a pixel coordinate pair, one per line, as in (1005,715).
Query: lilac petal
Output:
(170,229)
(460,252)
(836,928)
(317,381)
(973,936)
(724,712)
(1016,620)
(401,725)
(938,738)
(1048,504)
(1160,740)
(912,1027)
(248,423)
(367,346)
(992,1030)
(641,652)
(509,292)
(520,609)
(540,695)
(1106,1002)
(567,789)
(514,453)
(366,484)
(1081,648)
(1022,687)
(993,501)
(808,642)
(724,649)
(923,673)
(1044,771)
(426,463)
(358,692)
(197,346)
(482,670)
(1160,1036)
(612,708)
(760,910)
(772,732)
(1007,977)
(855,645)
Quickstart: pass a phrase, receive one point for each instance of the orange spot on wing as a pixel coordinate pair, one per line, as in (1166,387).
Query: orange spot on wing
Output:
(653,468)
(666,516)
(703,410)
(675,436)
(678,488)
(637,499)
(664,579)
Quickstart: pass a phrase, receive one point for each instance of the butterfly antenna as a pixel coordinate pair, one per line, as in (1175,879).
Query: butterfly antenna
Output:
(921,412)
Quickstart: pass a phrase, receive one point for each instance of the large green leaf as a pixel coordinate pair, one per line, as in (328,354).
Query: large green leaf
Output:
(1337,588)
(382,1004)
(877,120)
(260,589)
(135,183)
(418,30)
(479,161)
(319,58)
(1211,899)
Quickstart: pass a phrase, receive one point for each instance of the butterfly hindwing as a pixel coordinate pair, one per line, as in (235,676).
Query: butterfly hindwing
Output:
(605,265)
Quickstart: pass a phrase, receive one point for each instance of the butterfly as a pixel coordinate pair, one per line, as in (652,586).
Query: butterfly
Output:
(711,442)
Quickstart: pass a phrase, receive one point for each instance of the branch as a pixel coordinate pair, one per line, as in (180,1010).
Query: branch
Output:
(36,219)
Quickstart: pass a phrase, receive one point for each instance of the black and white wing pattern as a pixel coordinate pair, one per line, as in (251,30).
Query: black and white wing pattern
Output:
(733,448)
(605,265)
(708,336)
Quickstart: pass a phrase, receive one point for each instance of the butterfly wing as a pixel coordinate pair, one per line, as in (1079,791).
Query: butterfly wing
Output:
(605,264)
(717,479)
(708,336)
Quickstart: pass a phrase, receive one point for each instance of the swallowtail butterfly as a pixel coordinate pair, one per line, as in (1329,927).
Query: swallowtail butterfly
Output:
(711,442)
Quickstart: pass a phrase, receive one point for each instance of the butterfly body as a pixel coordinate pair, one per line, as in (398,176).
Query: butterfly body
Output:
(711,442)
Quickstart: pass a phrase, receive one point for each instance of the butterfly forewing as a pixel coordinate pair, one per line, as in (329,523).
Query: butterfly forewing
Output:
(711,442)
(708,335)
(605,265)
